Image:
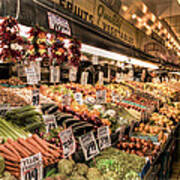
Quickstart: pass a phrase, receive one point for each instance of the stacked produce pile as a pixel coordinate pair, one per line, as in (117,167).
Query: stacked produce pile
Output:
(69,170)
(115,164)
(14,151)
(140,147)
(13,81)
(12,97)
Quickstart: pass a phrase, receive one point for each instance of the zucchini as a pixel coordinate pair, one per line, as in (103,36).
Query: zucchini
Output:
(82,128)
(46,107)
(34,126)
(69,122)
(52,109)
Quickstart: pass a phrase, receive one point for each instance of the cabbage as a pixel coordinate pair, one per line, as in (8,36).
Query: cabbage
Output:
(82,169)
(94,174)
(65,167)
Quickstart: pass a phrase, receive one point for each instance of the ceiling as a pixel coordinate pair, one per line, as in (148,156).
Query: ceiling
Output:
(168,11)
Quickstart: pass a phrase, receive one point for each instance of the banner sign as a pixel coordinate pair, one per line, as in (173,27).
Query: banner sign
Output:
(59,24)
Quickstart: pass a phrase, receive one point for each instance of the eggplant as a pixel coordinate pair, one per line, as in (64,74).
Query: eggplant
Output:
(70,121)
(45,107)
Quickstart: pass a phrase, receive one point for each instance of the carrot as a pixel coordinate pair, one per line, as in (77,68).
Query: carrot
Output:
(28,146)
(40,141)
(22,151)
(16,165)
(7,145)
(5,150)
(12,168)
(44,145)
(14,173)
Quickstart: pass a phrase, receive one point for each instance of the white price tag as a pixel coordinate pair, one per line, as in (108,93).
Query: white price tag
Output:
(32,77)
(73,73)
(89,146)
(68,142)
(101,96)
(50,122)
(35,97)
(101,78)
(84,78)
(115,97)
(118,77)
(79,98)
(66,100)
(54,74)
(32,167)
(95,60)
(90,100)
(104,137)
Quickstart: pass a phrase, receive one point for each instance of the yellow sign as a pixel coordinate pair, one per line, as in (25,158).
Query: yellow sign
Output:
(99,14)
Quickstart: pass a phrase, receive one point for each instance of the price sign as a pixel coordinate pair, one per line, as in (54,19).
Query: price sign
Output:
(32,77)
(50,122)
(115,97)
(89,145)
(101,78)
(121,131)
(95,60)
(101,96)
(104,137)
(73,73)
(118,77)
(35,97)
(54,74)
(32,167)
(78,97)
(66,100)
(68,142)
(84,78)
(90,100)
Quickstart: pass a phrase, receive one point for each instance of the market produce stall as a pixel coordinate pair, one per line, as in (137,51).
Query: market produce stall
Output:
(73,131)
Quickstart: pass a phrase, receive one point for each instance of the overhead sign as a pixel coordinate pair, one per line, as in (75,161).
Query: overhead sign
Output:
(58,23)
(102,14)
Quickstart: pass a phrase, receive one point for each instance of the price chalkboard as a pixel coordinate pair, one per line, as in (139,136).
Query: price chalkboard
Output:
(35,97)
(32,167)
(89,146)
(104,138)
(50,122)
(68,142)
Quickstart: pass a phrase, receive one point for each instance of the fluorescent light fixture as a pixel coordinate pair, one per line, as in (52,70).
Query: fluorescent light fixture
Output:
(143,63)
(115,56)
(103,53)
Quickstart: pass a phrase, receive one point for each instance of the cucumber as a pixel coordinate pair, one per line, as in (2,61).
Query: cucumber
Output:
(34,126)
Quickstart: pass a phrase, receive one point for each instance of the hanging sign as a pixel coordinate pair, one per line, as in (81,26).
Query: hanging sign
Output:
(118,77)
(101,78)
(89,146)
(32,77)
(54,74)
(95,60)
(35,97)
(32,167)
(104,138)
(101,96)
(50,122)
(73,73)
(84,78)
(68,142)
(59,24)
(79,98)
